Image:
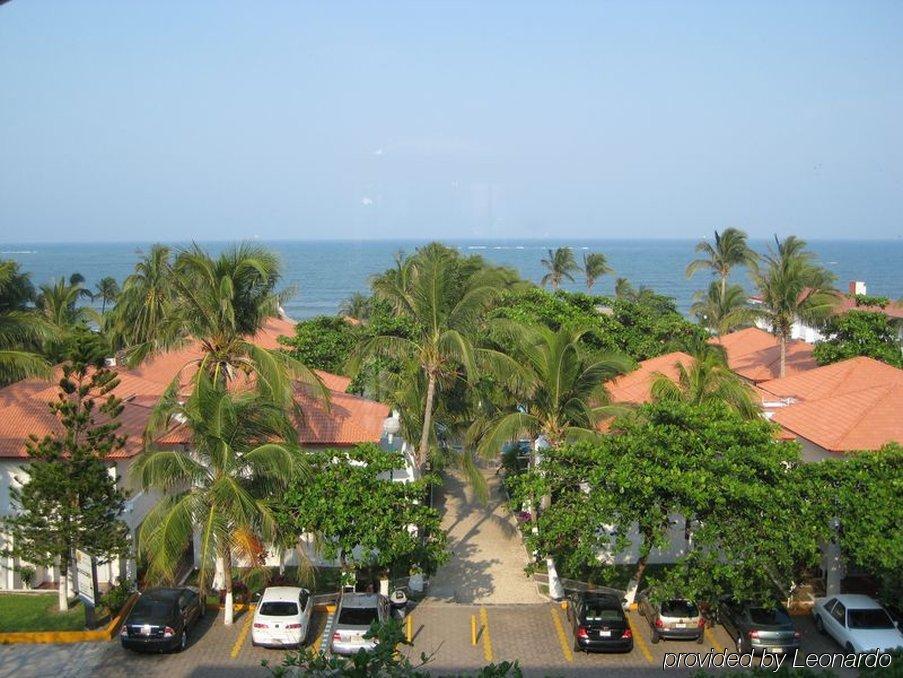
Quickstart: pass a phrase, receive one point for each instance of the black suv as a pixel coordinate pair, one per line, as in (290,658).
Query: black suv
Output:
(161,619)
(599,623)
(757,628)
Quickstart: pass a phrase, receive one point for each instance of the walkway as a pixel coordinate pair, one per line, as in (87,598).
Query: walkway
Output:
(488,557)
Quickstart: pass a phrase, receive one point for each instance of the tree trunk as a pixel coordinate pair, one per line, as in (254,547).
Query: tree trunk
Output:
(723,287)
(228,613)
(783,364)
(424,449)
(64,585)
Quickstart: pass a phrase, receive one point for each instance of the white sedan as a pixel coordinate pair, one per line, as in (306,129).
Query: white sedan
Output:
(858,623)
(282,617)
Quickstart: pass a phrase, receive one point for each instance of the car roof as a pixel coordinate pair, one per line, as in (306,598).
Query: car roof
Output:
(856,600)
(360,600)
(162,594)
(281,593)
(605,598)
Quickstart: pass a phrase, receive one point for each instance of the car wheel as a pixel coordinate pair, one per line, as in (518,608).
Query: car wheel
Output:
(183,641)
(700,638)
(739,644)
(819,624)
(655,637)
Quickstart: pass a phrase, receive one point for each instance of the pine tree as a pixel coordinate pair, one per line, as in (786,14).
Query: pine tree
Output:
(69,498)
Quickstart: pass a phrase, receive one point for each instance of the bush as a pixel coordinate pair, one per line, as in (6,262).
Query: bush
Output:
(27,575)
(114,599)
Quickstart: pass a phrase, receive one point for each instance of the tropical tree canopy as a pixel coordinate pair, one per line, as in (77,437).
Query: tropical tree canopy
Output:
(722,309)
(729,249)
(792,286)
(561,266)
(22,329)
(244,454)
(860,333)
(107,290)
(146,301)
(595,265)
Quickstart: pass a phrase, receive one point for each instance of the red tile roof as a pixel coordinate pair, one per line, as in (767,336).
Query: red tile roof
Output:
(855,404)
(348,420)
(634,387)
(756,354)
(847,302)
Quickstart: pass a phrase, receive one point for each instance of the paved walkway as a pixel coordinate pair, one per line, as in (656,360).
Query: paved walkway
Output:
(488,557)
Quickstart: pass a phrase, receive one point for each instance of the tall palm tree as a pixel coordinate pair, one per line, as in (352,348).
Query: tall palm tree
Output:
(107,292)
(561,265)
(558,390)
(595,265)
(22,330)
(722,309)
(57,303)
(707,380)
(730,249)
(244,454)
(146,300)
(442,308)
(792,286)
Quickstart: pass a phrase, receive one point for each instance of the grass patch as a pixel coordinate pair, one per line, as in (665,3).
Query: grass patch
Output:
(38,612)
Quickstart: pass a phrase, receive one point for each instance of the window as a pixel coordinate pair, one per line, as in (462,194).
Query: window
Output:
(829,606)
(679,608)
(279,608)
(840,613)
(357,616)
(870,619)
(303,597)
(768,616)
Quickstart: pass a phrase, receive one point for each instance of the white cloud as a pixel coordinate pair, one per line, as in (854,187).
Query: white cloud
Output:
(378,152)
(366,201)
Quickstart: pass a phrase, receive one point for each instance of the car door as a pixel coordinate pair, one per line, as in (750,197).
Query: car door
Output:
(827,620)
(305,604)
(839,623)
(185,612)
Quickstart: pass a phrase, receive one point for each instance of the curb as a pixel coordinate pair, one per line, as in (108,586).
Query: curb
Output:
(35,637)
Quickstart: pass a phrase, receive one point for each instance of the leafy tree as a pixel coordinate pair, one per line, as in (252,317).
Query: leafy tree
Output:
(323,343)
(22,330)
(146,301)
(359,515)
(356,307)
(107,292)
(561,265)
(860,333)
(792,286)
(595,265)
(69,499)
(383,660)
(722,310)
(730,249)
(57,302)
(244,456)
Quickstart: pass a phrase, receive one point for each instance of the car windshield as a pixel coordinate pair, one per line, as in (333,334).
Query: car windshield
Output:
(679,608)
(768,616)
(357,616)
(279,608)
(869,619)
(149,608)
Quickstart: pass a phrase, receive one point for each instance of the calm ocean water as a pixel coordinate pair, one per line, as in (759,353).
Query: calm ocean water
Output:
(326,272)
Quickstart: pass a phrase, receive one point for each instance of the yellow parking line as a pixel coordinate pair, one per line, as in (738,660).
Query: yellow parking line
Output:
(243,634)
(562,636)
(487,641)
(638,638)
(409,628)
(711,636)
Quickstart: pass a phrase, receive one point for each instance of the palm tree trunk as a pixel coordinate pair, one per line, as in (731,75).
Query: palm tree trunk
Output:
(423,450)
(783,364)
(723,287)
(229,610)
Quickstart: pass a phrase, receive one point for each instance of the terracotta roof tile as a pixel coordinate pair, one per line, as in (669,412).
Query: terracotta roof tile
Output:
(634,387)
(756,355)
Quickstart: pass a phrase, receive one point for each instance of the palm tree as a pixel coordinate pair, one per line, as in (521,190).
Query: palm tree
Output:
(442,307)
(57,303)
(792,287)
(244,454)
(146,300)
(558,390)
(560,264)
(722,309)
(707,380)
(356,307)
(730,249)
(595,265)
(21,329)
(107,291)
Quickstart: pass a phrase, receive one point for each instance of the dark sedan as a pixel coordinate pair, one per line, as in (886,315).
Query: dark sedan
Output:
(161,620)
(599,623)
(758,628)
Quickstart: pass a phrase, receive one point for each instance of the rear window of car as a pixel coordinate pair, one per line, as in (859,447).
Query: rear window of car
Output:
(279,608)
(357,616)
(148,608)
(679,608)
(869,619)
(601,613)
(768,616)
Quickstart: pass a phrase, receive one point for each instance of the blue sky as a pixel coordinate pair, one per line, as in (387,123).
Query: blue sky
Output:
(174,120)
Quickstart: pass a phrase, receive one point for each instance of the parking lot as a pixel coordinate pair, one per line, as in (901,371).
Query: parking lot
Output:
(537,635)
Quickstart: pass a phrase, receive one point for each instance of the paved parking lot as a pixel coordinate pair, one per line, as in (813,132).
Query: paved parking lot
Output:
(537,635)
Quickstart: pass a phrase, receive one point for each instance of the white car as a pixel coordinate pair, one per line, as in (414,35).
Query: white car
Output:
(858,623)
(282,617)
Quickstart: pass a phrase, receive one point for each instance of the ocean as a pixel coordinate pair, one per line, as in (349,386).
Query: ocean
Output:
(324,273)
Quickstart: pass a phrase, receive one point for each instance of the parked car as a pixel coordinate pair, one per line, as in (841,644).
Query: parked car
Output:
(858,623)
(599,623)
(161,619)
(282,617)
(355,614)
(757,628)
(673,618)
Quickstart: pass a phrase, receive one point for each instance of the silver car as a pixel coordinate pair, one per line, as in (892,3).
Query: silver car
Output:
(674,618)
(356,612)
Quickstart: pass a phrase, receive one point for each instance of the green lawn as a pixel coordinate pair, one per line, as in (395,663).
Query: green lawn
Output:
(38,612)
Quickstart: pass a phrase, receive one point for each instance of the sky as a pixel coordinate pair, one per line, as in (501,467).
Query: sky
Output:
(171,120)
